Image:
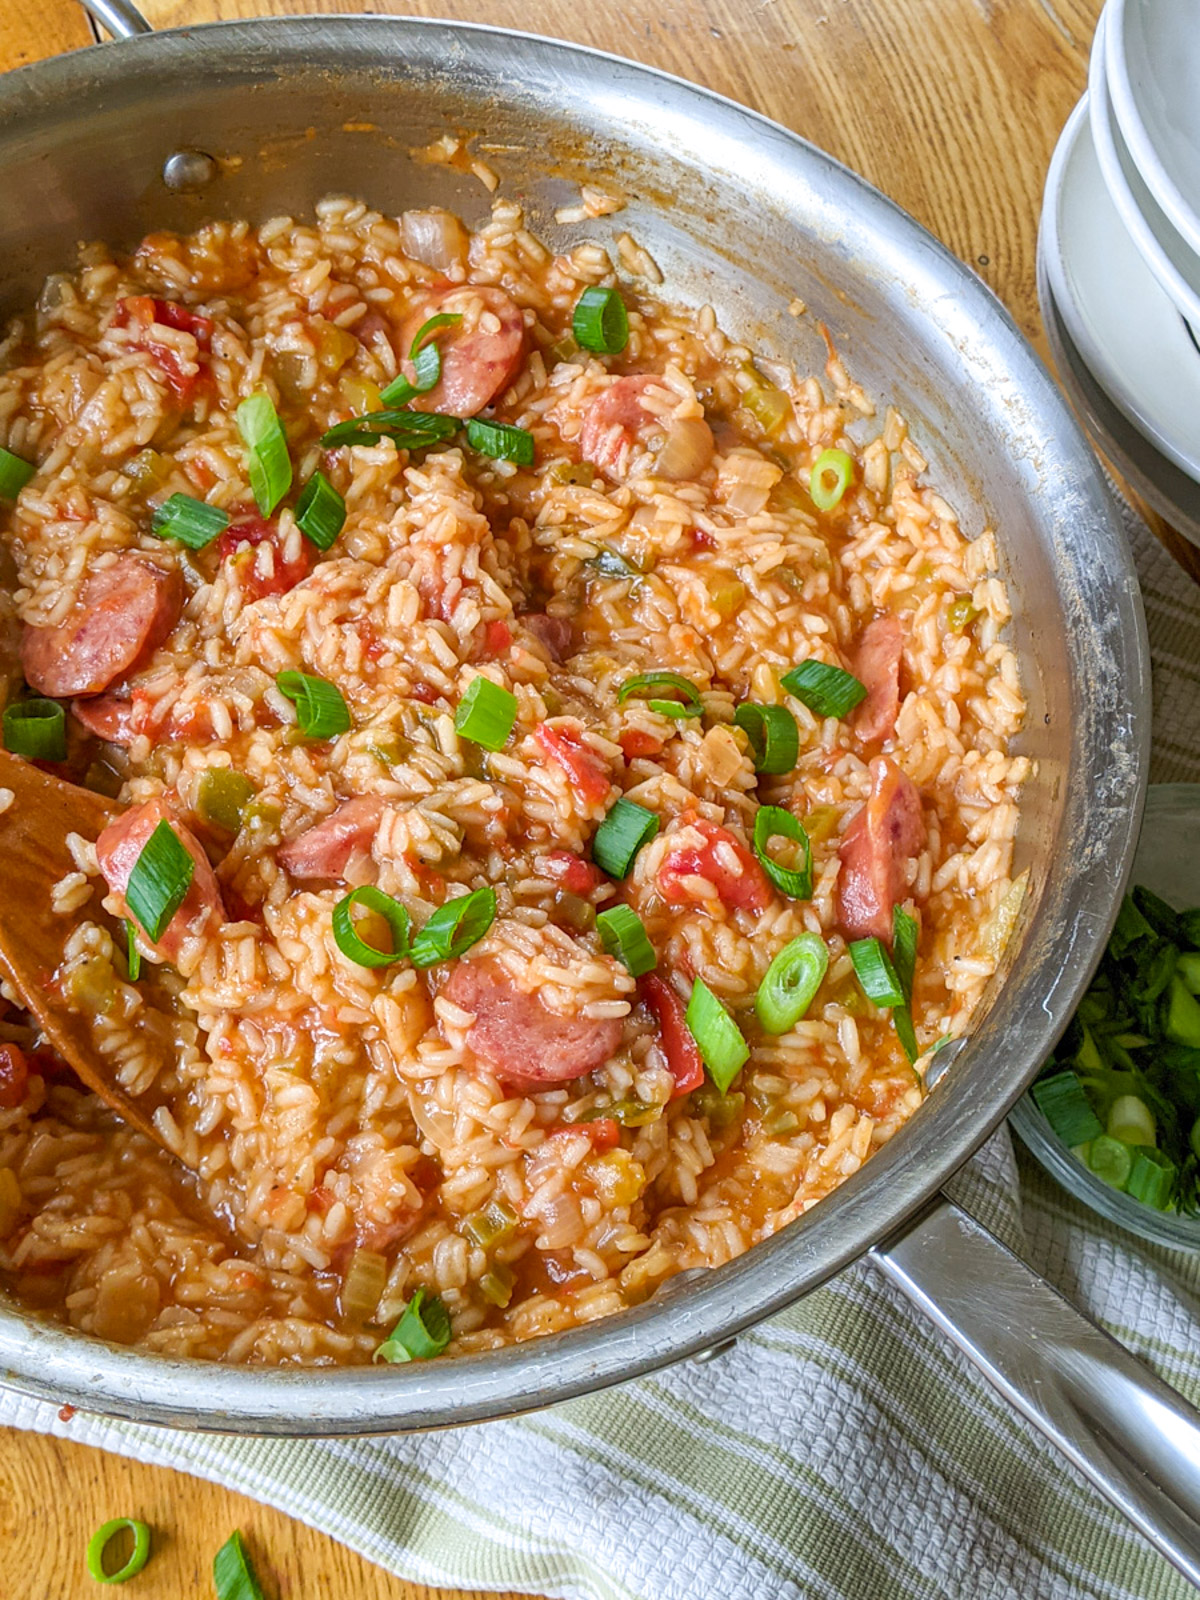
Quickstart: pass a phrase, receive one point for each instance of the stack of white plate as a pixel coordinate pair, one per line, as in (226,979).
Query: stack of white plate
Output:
(1119,251)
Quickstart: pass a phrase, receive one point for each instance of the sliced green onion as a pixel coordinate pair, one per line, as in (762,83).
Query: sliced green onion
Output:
(15,473)
(1065,1106)
(454,928)
(718,1037)
(623,934)
(486,714)
(422,1332)
(904,959)
(400,391)
(160,880)
(1152,1178)
(826,691)
(1131,1120)
(36,729)
(624,831)
(771,730)
(831,473)
(875,972)
(443,319)
(133,956)
(233,1576)
(102,1538)
(644,684)
(772,822)
(600,321)
(193,522)
(501,441)
(1111,1160)
(356,948)
(320,511)
(320,709)
(408,430)
(791,982)
(266,443)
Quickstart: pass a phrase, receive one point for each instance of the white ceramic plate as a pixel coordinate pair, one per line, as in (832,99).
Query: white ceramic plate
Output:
(1123,324)
(1153,69)
(1164,250)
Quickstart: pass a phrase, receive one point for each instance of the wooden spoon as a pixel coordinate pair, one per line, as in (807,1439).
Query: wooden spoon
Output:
(34,852)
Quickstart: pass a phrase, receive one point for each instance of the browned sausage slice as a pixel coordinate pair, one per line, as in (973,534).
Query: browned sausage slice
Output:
(324,850)
(526,1045)
(481,355)
(117,851)
(875,850)
(122,615)
(877,667)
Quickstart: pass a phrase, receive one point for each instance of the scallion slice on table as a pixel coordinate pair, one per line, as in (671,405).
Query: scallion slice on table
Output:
(623,934)
(830,478)
(771,730)
(15,473)
(269,464)
(826,691)
(351,943)
(133,956)
(790,983)
(36,729)
(103,1537)
(501,441)
(422,1332)
(624,831)
(454,928)
(320,511)
(486,714)
(774,822)
(160,880)
(874,970)
(192,522)
(718,1037)
(1067,1109)
(644,684)
(600,322)
(233,1576)
(321,711)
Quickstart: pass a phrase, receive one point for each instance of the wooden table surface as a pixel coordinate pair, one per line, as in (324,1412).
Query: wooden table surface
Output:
(952,107)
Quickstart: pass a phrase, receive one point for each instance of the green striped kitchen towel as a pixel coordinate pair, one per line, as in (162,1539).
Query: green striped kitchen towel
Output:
(842,1451)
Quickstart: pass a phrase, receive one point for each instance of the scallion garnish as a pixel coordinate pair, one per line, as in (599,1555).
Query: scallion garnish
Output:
(875,972)
(133,956)
(826,691)
(624,831)
(426,360)
(15,473)
(408,430)
(193,522)
(36,729)
(349,941)
(1152,1178)
(904,960)
(600,321)
(717,1035)
(320,511)
(160,880)
(1067,1109)
(623,934)
(422,1332)
(771,730)
(103,1537)
(644,684)
(830,478)
(454,928)
(774,822)
(791,982)
(269,464)
(486,713)
(233,1576)
(501,441)
(321,711)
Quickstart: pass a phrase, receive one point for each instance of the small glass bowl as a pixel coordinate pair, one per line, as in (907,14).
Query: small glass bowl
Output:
(1167,862)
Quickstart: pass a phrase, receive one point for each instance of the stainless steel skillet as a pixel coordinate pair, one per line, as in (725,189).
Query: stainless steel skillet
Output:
(261,118)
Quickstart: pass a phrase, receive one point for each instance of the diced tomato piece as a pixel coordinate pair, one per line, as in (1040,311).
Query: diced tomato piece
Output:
(581,765)
(604,1132)
(572,871)
(286,574)
(681,1050)
(497,638)
(636,742)
(14,1075)
(142,312)
(720,858)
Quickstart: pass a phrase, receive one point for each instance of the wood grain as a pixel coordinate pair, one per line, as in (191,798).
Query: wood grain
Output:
(952,107)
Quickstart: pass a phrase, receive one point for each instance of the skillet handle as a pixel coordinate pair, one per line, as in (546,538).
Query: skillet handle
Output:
(120,18)
(1133,1436)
